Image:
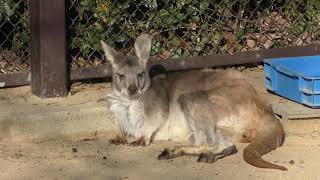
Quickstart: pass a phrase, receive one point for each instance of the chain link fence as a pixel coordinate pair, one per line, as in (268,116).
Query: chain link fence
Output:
(180,28)
(184,28)
(15,38)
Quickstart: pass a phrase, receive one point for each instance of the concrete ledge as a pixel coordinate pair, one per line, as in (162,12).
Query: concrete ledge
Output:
(34,123)
(291,110)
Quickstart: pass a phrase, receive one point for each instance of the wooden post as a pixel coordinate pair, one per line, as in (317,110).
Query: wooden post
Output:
(48,63)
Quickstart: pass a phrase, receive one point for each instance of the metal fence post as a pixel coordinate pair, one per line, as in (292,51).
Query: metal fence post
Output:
(48,63)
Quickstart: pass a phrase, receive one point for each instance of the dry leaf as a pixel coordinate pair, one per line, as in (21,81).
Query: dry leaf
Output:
(231,50)
(251,43)
(193,26)
(231,42)
(165,54)
(267,44)
(96,62)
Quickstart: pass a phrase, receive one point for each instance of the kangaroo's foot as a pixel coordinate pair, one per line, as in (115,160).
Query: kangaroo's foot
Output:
(140,142)
(206,154)
(118,140)
(180,151)
(170,154)
(211,157)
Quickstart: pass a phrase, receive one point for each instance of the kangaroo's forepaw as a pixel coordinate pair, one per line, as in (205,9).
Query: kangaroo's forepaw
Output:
(118,140)
(207,158)
(165,154)
(140,142)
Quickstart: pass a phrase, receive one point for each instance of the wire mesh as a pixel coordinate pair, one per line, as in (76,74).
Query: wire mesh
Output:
(180,28)
(184,28)
(15,37)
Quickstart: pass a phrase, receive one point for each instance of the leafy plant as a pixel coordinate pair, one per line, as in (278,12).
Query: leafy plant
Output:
(15,26)
(180,28)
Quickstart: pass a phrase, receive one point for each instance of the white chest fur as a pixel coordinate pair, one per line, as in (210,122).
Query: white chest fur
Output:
(128,114)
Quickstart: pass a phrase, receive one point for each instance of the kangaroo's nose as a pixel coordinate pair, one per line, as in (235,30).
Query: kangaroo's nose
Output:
(132,89)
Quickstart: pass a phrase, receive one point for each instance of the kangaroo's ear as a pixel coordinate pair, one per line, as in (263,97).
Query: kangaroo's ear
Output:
(142,48)
(111,54)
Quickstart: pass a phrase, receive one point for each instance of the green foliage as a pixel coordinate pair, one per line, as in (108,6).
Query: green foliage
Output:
(180,28)
(15,26)
(306,14)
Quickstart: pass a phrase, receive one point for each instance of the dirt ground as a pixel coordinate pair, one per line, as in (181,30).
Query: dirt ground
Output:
(97,159)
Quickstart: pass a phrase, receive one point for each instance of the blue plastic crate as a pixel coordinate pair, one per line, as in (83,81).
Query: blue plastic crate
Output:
(295,78)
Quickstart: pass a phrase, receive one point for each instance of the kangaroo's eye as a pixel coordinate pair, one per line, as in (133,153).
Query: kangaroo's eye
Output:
(121,76)
(140,75)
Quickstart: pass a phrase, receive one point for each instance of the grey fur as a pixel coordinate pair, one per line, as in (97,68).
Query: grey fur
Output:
(207,110)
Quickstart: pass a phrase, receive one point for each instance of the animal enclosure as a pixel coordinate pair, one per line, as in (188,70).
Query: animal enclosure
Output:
(186,34)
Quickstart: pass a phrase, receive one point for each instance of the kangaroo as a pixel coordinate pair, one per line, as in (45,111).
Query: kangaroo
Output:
(207,111)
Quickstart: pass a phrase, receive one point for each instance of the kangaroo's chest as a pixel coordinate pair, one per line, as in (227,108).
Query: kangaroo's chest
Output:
(128,115)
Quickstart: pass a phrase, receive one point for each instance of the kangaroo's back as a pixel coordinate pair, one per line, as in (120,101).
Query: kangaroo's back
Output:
(200,80)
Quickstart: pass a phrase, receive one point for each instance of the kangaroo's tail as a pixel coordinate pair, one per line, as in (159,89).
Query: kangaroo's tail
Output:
(263,143)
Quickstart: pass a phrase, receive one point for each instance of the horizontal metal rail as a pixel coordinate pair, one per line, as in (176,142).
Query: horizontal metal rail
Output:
(103,71)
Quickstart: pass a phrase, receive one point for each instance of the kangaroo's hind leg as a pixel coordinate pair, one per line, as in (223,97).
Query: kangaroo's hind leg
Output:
(206,142)
(208,154)
(222,149)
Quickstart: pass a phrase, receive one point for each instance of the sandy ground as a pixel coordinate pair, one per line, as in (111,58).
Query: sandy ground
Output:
(97,159)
